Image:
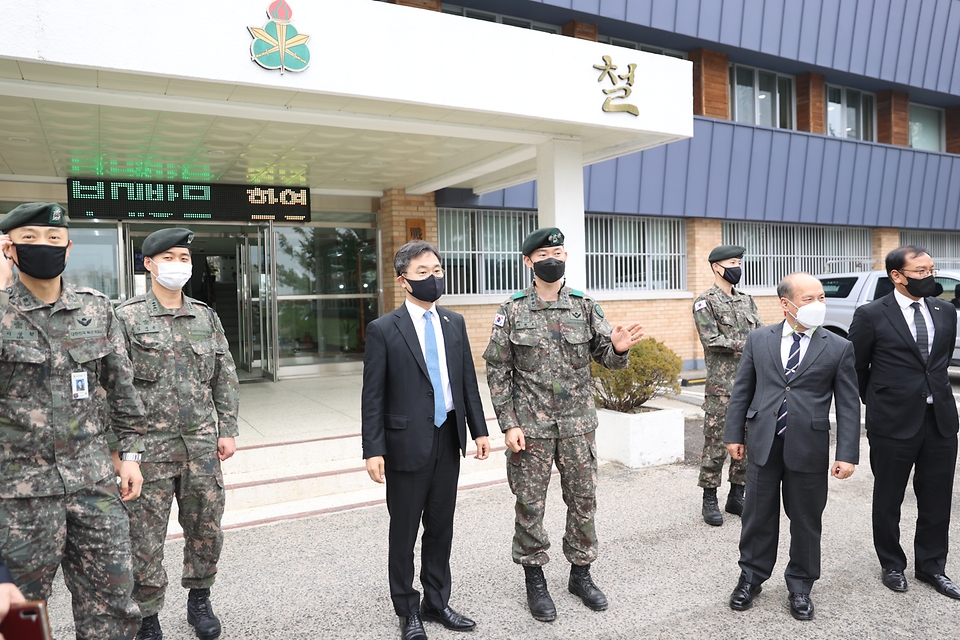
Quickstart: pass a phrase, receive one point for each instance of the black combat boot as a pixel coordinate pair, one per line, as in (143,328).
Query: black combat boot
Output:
(200,615)
(581,585)
(150,629)
(735,500)
(711,510)
(538,598)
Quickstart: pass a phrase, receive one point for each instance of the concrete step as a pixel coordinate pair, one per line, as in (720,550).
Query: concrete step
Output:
(281,480)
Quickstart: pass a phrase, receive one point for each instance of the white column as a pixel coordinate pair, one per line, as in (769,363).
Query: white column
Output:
(560,201)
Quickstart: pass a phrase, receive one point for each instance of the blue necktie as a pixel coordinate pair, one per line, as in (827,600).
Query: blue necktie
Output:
(793,361)
(433,366)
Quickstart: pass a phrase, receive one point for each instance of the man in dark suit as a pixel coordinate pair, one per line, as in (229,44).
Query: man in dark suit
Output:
(788,376)
(419,394)
(903,343)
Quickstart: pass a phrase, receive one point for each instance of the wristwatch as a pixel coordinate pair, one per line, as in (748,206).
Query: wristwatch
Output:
(130,457)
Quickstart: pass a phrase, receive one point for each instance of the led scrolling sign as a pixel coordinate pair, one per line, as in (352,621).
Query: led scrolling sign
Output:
(182,201)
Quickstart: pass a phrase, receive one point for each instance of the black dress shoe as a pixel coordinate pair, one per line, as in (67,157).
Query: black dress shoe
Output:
(448,618)
(801,606)
(941,583)
(893,579)
(412,628)
(742,597)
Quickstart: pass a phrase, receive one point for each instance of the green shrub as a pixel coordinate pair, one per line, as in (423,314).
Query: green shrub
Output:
(654,369)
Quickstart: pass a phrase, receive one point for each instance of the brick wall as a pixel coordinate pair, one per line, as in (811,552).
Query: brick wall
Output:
(952,126)
(711,84)
(670,321)
(883,240)
(893,118)
(811,103)
(582,30)
(432,5)
(396,207)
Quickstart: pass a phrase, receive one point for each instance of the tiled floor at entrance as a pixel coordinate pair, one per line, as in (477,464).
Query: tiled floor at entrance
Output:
(307,408)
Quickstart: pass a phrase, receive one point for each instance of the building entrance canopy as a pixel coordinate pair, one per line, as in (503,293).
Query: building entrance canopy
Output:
(390,97)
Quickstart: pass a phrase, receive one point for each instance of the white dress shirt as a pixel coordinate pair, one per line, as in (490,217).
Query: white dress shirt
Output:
(786,341)
(910,316)
(420,324)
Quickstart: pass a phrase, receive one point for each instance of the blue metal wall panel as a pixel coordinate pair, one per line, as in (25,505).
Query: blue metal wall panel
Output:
(771,28)
(740,172)
(910,42)
(627,196)
(761,147)
(861,39)
(652,179)
(664,15)
(673,199)
(616,9)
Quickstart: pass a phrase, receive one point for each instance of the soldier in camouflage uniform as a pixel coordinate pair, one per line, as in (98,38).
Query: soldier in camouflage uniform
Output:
(538,370)
(62,361)
(187,380)
(724,317)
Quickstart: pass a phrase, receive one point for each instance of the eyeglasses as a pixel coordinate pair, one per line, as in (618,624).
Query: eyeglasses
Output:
(425,273)
(921,273)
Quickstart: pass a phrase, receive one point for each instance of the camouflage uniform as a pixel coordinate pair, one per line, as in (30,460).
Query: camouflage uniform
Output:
(187,380)
(59,502)
(723,323)
(539,376)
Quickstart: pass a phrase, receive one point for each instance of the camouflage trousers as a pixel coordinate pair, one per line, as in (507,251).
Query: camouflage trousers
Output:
(528,473)
(714,449)
(198,488)
(86,533)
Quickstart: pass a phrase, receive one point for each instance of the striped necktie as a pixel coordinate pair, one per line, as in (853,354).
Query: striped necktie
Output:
(793,361)
(922,336)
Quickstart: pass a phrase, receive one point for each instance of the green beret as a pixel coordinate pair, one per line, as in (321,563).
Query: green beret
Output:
(39,214)
(725,252)
(160,241)
(547,237)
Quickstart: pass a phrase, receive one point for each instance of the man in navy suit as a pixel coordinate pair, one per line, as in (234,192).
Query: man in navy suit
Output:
(904,342)
(419,395)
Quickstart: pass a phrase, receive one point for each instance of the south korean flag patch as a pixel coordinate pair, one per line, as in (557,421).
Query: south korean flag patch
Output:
(499,320)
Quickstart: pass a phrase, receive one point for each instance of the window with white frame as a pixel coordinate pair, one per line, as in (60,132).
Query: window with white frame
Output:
(500,18)
(629,44)
(761,97)
(635,253)
(944,246)
(851,113)
(481,249)
(926,128)
(775,250)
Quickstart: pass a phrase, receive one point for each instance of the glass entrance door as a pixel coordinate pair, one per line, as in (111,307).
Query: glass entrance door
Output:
(268,301)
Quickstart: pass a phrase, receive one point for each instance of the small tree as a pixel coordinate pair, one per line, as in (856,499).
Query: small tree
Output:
(654,369)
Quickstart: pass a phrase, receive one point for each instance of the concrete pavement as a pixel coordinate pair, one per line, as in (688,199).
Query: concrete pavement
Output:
(666,573)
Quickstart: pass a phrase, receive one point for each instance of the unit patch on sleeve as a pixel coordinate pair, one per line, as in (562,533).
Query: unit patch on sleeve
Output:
(499,319)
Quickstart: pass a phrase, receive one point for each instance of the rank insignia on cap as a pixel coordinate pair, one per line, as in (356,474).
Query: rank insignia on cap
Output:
(499,319)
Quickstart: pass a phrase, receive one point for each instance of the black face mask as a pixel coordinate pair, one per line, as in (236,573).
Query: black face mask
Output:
(924,287)
(732,274)
(428,290)
(41,261)
(549,270)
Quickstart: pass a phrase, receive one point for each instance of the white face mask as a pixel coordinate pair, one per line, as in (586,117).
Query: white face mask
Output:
(173,275)
(811,315)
